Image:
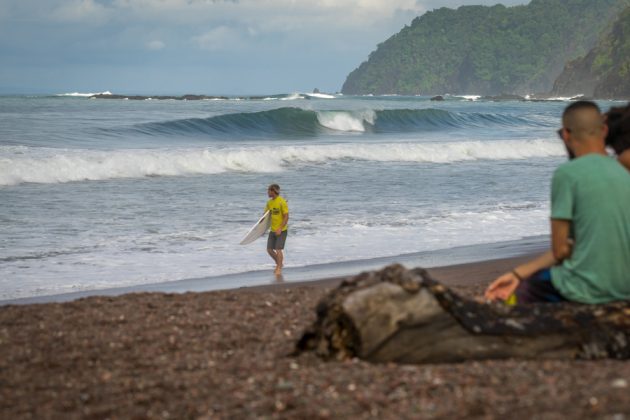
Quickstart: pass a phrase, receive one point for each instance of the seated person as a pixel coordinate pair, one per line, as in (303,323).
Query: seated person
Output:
(589,260)
(618,138)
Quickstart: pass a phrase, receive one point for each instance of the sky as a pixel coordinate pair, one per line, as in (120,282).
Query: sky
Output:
(195,46)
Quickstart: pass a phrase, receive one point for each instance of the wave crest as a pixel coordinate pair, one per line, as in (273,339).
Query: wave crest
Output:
(297,122)
(83,95)
(48,166)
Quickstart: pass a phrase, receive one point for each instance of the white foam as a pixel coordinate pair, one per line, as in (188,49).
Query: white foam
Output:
(85,165)
(345,120)
(424,152)
(563,98)
(469,97)
(292,97)
(79,94)
(120,261)
(321,95)
(40,165)
(554,98)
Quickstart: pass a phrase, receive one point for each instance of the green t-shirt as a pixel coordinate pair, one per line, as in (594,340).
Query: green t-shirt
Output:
(593,192)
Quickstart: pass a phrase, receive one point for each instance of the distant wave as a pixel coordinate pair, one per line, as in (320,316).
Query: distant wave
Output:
(291,96)
(297,122)
(553,98)
(320,95)
(82,95)
(467,97)
(36,165)
(278,97)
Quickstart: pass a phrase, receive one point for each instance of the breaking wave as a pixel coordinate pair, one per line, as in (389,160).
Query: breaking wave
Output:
(36,165)
(297,122)
(83,95)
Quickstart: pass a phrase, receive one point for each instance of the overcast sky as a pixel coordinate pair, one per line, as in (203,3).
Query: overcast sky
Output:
(195,46)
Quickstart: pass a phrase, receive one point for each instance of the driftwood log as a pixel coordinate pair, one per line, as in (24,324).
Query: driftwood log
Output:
(404,316)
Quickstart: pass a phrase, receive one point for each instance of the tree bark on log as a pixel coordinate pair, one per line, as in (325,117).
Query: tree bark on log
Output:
(405,316)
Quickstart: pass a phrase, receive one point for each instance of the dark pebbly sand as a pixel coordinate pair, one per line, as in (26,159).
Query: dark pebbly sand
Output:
(226,355)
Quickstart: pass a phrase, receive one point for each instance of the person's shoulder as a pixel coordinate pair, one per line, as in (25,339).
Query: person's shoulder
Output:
(567,173)
(565,168)
(592,167)
(606,162)
(584,163)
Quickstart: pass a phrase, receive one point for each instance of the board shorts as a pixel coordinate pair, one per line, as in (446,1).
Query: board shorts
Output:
(276,241)
(537,289)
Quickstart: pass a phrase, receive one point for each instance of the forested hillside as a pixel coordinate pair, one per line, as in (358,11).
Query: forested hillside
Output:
(485,50)
(605,71)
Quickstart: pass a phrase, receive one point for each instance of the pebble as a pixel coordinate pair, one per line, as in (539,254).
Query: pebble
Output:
(619,383)
(227,366)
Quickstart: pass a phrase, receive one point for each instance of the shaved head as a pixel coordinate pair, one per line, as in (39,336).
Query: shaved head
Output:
(583,119)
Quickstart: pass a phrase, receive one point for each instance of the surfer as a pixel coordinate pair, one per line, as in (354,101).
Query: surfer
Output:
(279,210)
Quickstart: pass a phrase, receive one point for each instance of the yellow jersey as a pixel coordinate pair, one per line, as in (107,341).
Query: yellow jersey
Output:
(278,208)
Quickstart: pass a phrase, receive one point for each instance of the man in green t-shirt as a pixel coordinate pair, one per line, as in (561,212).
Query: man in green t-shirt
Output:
(279,210)
(589,260)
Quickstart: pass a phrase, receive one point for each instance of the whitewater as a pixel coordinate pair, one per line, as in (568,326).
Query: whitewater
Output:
(102,193)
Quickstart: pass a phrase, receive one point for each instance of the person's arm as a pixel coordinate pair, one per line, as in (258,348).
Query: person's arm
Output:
(285,221)
(503,287)
(561,247)
(561,242)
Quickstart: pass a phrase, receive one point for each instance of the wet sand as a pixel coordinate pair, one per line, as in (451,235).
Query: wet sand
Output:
(225,354)
(310,273)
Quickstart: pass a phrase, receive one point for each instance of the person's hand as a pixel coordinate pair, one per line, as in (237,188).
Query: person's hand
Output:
(278,231)
(503,287)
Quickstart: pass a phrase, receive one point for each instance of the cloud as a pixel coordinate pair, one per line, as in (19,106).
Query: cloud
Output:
(155,45)
(266,14)
(295,44)
(85,11)
(219,38)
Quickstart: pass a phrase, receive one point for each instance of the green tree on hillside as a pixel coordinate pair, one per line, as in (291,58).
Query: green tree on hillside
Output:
(605,71)
(484,50)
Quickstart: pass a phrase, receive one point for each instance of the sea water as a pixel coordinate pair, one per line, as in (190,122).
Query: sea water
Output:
(101,193)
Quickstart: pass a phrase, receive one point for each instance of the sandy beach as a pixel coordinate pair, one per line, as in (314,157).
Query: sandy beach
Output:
(225,354)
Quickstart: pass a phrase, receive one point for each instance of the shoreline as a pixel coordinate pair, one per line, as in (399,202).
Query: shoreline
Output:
(441,261)
(226,354)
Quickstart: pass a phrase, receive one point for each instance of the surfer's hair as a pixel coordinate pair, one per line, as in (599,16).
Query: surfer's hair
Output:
(275,188)
(618,120)
(580,105)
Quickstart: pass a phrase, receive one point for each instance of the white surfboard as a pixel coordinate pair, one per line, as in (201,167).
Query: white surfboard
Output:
(258,230)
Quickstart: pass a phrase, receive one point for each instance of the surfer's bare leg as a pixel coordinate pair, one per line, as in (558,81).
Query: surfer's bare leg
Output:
(279,261)
(272,254)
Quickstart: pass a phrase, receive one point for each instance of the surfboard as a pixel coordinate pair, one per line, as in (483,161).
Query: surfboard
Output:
(258,230)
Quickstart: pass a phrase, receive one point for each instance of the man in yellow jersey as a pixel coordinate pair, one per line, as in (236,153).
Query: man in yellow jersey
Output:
(279,210)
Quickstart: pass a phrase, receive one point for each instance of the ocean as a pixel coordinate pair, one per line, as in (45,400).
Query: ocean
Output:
(105,193)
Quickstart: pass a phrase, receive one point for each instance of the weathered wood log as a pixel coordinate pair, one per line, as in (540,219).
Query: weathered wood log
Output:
(405,316)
